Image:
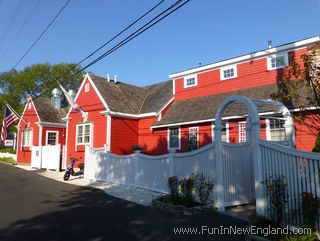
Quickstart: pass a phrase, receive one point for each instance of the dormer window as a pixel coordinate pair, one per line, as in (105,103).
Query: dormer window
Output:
(228,72)
(191,80)
(86,87)
(277,61)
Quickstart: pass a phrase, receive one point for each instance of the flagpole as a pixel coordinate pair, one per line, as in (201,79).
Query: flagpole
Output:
(15,113)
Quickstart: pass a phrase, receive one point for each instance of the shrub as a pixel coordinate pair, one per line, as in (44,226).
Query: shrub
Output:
(138,148)
(277,197)
(6,150)
(187,187)
(203,188)
(8,160)
(310,207)
(173,185)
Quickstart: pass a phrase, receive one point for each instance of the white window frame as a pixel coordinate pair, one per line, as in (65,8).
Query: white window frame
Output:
(189,77)
(179,138)
(227,130)
(235,72)
(57,137)
(30,138)
(268,131)
(241,123)
(83,134)
(197,132)
(86,87)
(270,57)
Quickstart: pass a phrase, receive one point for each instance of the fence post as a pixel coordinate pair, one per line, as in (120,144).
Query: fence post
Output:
(136,160)
(171,162)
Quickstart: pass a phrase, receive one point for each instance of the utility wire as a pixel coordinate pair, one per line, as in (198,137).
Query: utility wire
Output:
(40,36)
(11,22)
(20,30)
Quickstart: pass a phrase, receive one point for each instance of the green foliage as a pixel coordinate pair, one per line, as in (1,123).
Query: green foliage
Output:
(8,160)
(317,145)
(138,148)
(302,237)
(173,185)
(187,186)
(11,151)
(277,197)
(17,86)
(203,188)
(310,206)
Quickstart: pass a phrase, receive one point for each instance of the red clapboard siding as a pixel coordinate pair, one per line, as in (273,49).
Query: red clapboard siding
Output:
(250,74)
(124,134)
(306,133)
(28,116)
(91,103)
(61,133)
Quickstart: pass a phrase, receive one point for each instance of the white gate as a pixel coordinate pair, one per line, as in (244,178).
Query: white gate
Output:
(48,157)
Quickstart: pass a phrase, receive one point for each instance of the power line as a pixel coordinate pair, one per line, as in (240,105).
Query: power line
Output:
(43,32)
(132,36)
(20,30)
(11,22)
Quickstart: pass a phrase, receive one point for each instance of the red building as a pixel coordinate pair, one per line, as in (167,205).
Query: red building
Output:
(40,125)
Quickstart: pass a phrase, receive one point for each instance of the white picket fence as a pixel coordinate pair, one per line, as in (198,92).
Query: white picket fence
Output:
(301,171)
(151,172)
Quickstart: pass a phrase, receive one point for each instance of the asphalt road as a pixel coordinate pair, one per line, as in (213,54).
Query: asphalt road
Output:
(36,208)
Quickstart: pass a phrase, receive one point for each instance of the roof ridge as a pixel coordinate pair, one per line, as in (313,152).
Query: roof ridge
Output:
(144,100)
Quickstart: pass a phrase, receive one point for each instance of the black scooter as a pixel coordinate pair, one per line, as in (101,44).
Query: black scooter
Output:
(70,170)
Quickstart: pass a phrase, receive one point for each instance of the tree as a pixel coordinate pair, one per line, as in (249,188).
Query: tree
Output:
(17,86)
(300,83)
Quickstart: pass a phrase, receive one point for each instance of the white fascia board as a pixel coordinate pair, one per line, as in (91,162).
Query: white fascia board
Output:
(247,57)
(226,118)
(121,114)
(165,106)
(50,124)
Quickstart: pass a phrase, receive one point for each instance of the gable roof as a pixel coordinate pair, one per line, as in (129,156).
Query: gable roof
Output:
(204,108)
(126,98)
(47,113)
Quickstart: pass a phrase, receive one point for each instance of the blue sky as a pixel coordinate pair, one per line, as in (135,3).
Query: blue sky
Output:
(203,31)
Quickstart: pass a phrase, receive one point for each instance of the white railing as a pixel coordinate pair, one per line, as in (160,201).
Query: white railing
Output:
(301,171)
(238,174)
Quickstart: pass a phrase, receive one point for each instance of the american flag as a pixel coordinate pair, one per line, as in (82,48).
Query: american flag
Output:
(9,118)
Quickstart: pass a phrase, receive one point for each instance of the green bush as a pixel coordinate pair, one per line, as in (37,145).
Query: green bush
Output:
(316,147)
(11,151)
(8,160)
(173,185)
(203,188)
(187,188)
(310,207)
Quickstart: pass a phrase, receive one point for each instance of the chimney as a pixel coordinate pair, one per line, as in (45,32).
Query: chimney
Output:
(115,79)
(56,98)
(270,44)
(108,78)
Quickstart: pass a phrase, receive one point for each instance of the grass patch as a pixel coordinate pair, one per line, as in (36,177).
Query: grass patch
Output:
(6,150)
(8,160)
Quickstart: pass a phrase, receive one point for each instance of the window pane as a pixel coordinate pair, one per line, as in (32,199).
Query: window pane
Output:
(277,130)
(174,138)
(80,134)
(52,138)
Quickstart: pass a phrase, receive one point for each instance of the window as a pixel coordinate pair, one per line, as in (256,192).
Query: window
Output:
(277,130)
(190,81)
(224,131)
(174,138)
(228,72)
(242,132)
(29,106)
(277,61)
(193,138)
(86,87)
(27,137)
(83,134)
(52,138)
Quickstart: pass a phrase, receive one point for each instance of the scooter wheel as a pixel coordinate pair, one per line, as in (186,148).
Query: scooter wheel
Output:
(66,176)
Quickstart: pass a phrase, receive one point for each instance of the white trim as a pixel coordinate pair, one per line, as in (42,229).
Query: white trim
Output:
(66,149)
(270,57)
(30,140)
(248,57)
(235,72)
(57,137)
(168,138)
(165,106)
(83,134)
(86,87)
(25,107)
(193,76)
(108,141)
(268,133)
(245,131)
(49,124)
(121,114)
(197,132)
(87,76)
(173,87)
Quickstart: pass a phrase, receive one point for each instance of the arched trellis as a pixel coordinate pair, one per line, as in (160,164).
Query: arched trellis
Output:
(253,131)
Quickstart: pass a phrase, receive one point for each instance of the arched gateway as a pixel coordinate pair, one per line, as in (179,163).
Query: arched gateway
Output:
(238,166)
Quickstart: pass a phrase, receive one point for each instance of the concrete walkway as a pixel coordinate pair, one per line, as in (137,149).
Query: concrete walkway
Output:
(133,194)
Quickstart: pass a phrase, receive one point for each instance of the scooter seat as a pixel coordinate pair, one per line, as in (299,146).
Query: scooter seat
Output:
(81,165)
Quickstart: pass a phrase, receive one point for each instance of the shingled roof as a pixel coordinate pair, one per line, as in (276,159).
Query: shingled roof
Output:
(126,98)
(204,108)
(46,111)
